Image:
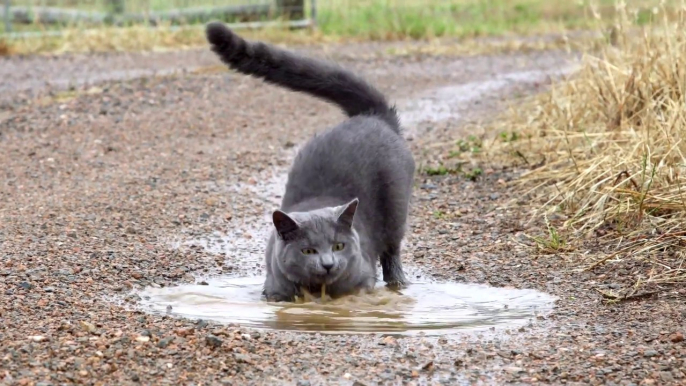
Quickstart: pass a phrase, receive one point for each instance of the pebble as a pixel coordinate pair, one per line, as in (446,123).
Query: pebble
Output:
(25,285)
(163,343)
(240,358)
(676,338)
(213,341)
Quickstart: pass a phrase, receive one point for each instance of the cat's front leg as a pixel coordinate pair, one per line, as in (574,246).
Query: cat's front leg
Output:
(276,290)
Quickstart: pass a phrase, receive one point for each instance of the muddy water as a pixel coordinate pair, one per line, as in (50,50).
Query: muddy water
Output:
(423,307)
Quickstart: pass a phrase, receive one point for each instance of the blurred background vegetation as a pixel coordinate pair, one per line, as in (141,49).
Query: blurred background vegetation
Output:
(179,22)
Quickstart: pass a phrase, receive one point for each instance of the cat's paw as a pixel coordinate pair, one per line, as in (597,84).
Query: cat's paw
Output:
(395,279)
(396,285)
(277,297)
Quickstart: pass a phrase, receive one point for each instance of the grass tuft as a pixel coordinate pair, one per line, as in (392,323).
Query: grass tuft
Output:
(609,149)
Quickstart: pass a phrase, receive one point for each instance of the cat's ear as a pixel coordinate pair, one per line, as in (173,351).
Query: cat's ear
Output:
(347,215)
(283,223)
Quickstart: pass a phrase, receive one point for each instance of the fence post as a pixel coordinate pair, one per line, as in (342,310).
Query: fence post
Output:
(115,8)
(8,17)
(293,9)
(313,12)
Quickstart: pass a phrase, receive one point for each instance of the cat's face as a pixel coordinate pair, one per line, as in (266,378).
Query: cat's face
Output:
(317,247)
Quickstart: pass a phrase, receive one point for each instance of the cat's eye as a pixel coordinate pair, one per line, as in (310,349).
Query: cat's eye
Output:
(338,247)
(308,251)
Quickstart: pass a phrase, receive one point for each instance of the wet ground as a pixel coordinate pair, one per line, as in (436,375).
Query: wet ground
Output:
(135,187)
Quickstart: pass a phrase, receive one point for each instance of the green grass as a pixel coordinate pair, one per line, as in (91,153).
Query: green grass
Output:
(383,19)
(364,20)
(393,19)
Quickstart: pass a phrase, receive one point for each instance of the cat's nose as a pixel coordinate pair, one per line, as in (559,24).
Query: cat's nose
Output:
(327,265)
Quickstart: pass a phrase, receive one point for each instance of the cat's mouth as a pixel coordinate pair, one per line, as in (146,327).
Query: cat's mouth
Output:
(327,278)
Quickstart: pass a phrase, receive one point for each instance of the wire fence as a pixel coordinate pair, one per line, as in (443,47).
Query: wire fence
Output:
(25,18)
(374,19)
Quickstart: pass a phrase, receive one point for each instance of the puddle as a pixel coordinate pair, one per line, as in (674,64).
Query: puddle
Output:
(426,307)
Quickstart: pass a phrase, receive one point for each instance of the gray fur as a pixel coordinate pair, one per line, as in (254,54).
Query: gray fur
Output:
(357,173)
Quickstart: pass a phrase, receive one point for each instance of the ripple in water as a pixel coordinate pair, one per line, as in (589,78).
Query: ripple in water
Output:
(430,308)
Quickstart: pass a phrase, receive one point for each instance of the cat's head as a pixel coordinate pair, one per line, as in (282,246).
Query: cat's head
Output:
(317,247)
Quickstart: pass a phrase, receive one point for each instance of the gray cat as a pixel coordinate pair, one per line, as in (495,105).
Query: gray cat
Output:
(348,190)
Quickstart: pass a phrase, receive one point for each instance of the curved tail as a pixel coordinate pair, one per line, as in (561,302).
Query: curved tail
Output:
(287,69)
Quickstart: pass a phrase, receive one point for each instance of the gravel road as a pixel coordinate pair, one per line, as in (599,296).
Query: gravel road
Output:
(99,187)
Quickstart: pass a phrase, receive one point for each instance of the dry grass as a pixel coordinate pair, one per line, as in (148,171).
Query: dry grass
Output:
(505,45)
(605,153)
(141,38)
(4,48)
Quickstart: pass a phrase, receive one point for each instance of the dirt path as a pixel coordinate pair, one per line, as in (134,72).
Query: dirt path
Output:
(99,189)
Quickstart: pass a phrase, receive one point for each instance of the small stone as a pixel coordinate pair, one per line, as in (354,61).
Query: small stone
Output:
(241,358)
(666,377)
(676,338)
(38,338)
(650,353)
(135,377)
(201,323)
(415,374)
(163,343)
(428,366)
(142,338)
(183,332)
(25,285)
(136,275)
(388,341)
(213,341)
(387,375)
(87,326)
(303,382)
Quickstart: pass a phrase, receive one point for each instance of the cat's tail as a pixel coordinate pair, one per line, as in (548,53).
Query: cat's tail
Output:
(287,69)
